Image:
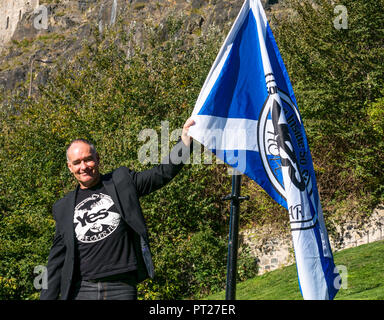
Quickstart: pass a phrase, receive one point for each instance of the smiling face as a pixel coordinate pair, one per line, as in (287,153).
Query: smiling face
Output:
(84,164)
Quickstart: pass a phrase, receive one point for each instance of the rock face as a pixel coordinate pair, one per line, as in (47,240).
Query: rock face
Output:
(55,29)
(11,13)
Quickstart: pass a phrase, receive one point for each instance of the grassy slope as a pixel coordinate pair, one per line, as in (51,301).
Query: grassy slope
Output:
(365,278)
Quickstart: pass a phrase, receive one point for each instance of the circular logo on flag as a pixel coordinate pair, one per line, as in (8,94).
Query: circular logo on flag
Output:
(281,143)
(286,159)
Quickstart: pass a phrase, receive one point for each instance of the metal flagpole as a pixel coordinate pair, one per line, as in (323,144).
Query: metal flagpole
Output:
(230,292)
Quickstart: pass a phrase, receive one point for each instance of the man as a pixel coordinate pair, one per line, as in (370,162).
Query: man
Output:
(101,248)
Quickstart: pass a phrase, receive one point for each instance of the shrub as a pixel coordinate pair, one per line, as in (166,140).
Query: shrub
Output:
(108,98)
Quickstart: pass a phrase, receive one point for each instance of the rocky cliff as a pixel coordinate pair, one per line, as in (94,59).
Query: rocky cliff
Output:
(55,32)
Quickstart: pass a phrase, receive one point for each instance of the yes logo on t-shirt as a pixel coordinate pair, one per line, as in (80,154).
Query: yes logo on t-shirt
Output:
(93,219)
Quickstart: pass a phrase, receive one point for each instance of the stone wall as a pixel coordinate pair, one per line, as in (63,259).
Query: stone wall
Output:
(11,12)
(273,251)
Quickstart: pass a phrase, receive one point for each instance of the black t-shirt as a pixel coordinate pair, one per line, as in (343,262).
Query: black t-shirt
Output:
(104,240)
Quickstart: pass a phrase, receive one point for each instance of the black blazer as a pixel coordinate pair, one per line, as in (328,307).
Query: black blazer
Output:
(125,187)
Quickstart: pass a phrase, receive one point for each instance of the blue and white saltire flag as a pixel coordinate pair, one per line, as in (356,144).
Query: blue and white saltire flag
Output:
(247,115)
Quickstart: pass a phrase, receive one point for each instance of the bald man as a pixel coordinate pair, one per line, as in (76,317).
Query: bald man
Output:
(101,249)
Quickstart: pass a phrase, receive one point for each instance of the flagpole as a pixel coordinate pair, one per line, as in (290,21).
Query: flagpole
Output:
(230,293)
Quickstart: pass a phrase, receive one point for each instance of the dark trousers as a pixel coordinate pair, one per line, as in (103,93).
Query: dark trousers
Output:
(105,289)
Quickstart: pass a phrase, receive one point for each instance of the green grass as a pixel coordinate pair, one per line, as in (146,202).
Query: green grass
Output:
(363,265)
